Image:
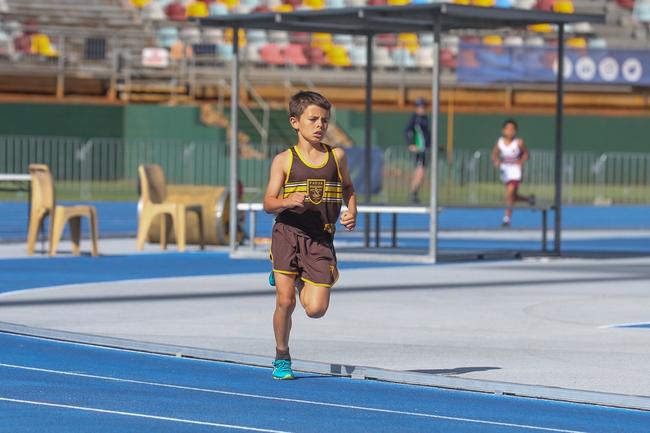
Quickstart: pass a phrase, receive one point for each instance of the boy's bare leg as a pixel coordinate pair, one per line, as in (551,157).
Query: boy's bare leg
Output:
(285,303)
(315,300)
(511,194)
(418,178)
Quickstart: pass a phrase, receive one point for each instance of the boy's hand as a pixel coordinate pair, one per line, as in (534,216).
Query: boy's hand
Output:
(297,199)
(413,148)
(349,220)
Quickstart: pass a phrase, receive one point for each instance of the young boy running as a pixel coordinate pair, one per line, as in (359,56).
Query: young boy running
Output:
(509,156)
(307,186)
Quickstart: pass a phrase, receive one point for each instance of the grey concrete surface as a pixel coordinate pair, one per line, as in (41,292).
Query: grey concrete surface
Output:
(535,322)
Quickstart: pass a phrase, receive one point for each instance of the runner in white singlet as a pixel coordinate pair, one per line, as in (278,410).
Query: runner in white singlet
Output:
(509,156)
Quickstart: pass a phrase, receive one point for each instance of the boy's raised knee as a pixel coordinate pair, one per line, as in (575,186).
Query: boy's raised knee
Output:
(316,311)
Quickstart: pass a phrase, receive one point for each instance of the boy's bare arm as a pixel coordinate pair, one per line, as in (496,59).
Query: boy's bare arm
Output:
(524,153)
(273,202)
(349,218)
(495,155)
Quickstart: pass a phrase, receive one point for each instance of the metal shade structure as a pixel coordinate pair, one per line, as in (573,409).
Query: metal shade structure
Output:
(373,20)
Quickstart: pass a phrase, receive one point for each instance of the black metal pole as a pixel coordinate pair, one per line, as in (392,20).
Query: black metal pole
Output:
(559,118)
(368,138)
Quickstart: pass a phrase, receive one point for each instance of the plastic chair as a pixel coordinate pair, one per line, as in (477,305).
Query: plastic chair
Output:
(563,7)
(578,43)
(338,56)
(253,53)
(42,204)
(402,57)
(42,46)
(409,41)
(513,41)
(153,189)
(597,43)
(294,54)
(316,56)
(382,57)
(322,41)
(492,40)
(314,4)
(272,54)
(167,36)
(335,3)
(541,28)
(197,9)
(358,55)
(398,2)
(424,57)
(217,9)
(483,3)
(506,4)
(175,11)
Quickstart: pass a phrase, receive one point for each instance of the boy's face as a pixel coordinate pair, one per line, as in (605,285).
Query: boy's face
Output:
(312,124)
(420,110)
(509,131)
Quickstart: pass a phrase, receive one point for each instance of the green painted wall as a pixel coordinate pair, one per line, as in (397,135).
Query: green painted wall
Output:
(61,120)
(471,131)
(479,131)
(174,123)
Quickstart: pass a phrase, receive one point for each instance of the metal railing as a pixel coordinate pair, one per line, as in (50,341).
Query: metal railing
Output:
(104,168)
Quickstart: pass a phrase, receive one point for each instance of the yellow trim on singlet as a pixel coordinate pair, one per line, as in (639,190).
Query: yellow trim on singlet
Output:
(336,161)
(286,179)
(304,161)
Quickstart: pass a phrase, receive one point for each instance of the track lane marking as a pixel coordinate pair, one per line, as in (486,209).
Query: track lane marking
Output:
(139,415)
(291,400)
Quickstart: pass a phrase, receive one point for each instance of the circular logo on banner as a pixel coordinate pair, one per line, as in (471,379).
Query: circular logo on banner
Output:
(632,70)
(608,69)
(568,67)
(586,68)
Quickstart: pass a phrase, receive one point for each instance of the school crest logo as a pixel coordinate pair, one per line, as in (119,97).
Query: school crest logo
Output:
(315,189)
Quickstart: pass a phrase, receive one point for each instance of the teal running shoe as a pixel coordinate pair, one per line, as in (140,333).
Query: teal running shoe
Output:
(282,370)
(272,279)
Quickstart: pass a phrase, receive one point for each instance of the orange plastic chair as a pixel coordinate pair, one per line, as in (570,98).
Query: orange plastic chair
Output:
(42,204)
(153,189)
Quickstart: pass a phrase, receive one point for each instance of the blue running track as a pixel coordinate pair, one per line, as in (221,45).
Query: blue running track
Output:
(54,387)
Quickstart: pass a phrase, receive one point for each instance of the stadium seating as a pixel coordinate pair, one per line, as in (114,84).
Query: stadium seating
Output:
(272,54)
(338,56)
(294,54)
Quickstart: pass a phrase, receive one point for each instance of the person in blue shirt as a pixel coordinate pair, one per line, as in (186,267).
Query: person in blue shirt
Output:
(418,140)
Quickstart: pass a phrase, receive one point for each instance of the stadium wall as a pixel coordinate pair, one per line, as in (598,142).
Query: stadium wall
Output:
(471,131)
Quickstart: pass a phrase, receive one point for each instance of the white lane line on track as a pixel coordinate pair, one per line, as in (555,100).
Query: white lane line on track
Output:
(292,400)
(139,415)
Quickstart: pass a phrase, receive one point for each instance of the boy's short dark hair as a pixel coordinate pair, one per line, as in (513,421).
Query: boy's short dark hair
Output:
(303,99)
(512,122)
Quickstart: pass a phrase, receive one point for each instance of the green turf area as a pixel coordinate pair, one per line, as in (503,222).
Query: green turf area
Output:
(449,193)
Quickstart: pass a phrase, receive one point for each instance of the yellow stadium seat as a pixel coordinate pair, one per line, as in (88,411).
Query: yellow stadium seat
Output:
(283,8)
(493,40)
(41,46)
(463,2)
(314,4)
(227,36)
(338,56)
(541,28)
(198,9)
(322,41)
(140,3)
(483,3)
(563,7)
(576,43)
(398,2)
(230,3)
(409,41)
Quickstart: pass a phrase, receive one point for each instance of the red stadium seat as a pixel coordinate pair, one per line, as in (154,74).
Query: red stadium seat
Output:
(294,54)
(316,56)
(175,11)
(272,54)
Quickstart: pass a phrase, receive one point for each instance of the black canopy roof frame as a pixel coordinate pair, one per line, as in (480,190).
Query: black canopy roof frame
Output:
(372,20)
